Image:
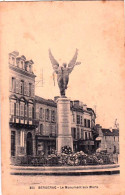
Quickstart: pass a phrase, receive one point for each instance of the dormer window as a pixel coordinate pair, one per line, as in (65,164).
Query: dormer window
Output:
(13,60)
(22,64)
(29,68)
(17,62)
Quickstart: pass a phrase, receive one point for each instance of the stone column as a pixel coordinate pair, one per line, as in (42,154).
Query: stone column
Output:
(64,137)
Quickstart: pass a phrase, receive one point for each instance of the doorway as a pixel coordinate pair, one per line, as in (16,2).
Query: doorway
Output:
(29,146)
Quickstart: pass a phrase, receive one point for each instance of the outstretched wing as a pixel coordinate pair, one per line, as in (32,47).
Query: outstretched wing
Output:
(55,64)
(72,63)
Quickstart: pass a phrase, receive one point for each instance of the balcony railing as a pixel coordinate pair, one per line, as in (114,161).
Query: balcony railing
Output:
(23,120)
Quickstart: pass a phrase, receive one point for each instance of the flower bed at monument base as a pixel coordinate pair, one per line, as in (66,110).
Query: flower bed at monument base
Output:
(63,159)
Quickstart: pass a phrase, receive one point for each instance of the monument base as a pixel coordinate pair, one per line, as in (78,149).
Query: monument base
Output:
(64,141)
(64,137)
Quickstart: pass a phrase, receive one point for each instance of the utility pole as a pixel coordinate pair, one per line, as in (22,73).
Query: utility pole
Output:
(41,81)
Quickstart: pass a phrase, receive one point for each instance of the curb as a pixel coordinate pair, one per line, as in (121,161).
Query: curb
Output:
(66,171)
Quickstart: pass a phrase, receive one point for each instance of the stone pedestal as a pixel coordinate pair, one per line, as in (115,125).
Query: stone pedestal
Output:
(64,137)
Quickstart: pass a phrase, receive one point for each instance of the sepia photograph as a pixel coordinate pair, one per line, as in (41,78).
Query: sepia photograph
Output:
(62,97)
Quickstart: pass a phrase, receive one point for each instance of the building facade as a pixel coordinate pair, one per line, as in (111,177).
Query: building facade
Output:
(45,134)
(22,114)
(108,140)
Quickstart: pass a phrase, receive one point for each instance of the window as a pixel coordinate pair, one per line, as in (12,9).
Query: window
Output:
(78,119)
(114,150)
(81,133)
(12,143)
(13,84)
(41,129)
(30,111)
(30,68)
(30,89)
(22,87)
(22,64)
(13,60)
(17,62)
(41,113)
(88,123)
(25,110)
(47,114)
(17,109)
(13,108)
(85,135)
(84,122)
(81,120)
(53,116)
(78,136)
(22,109)
(89,135)
(73,117)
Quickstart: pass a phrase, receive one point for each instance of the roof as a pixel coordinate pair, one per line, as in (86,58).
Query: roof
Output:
(108,132)
(48,102)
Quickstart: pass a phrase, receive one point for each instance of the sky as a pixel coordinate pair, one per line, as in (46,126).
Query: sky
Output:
(95,28)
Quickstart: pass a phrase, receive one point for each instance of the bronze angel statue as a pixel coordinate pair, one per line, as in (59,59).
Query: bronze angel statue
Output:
(63,71)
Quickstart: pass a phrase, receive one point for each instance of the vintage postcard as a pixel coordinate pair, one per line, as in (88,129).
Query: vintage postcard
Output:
(62,97)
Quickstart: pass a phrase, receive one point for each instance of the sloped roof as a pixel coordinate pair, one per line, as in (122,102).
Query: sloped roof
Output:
(48,102)
(107,132)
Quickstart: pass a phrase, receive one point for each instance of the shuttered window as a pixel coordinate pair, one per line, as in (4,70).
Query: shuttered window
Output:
(17,109)
(47,114)
(25,110)
(30,111)
(22,109)
(12,108)
(78,119)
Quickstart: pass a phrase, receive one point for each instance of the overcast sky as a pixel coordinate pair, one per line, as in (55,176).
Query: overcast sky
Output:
(95,28)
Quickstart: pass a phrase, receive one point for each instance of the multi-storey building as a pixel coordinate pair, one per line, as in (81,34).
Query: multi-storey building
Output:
(46,131)
(33,120)
(83,122)
(22,115)
(108,140)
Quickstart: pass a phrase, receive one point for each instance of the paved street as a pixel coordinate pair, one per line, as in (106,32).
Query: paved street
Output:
(66,180)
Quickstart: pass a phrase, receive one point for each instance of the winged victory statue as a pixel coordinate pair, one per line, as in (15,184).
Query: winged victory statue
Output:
(63,71)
